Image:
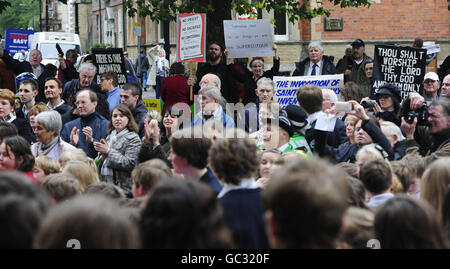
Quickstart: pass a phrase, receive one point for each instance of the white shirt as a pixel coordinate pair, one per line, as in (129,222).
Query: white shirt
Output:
(379,199)
(311,64)
(246,183)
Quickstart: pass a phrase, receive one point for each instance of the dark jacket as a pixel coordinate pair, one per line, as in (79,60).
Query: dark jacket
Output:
(99,127)
(334,139)
(73,86)
(211,179)
(399,150)
(19,67)
(327,68)
(23,128)
(228,83)
(144,63)
(358,73)
(67,74)
(244,215)
(64,110)
(250,84)
(161,152)
(139,114)
(347,152)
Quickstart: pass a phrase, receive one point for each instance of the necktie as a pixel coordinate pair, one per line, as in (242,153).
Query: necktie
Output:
(313,73)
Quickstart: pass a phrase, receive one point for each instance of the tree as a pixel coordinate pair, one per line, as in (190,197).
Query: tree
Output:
(18,14)
(220,10)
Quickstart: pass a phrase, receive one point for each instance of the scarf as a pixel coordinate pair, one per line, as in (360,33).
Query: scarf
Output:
(106,171)
(45,149)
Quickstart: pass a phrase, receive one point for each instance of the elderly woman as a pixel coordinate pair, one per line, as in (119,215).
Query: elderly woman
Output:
(119,152)
(159,69)
(47,128)
(7,108)
(251,78)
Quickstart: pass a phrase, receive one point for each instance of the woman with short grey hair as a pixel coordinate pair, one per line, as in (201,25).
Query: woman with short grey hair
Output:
(47,129)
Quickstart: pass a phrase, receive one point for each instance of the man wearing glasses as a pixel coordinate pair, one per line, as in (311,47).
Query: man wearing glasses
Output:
(85,81)
(438,132)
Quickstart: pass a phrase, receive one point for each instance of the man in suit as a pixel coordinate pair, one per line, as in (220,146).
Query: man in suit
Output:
(316,64)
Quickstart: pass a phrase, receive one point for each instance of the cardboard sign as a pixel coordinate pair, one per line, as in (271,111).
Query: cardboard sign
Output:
(286,87)
(16,40)
(248,38)
(191,38)
(402,66)
(110,60)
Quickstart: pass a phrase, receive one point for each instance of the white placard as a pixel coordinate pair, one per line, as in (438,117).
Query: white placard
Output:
(248,38)
(191,37)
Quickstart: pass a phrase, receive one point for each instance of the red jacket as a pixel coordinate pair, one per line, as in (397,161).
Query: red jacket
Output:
(174,90)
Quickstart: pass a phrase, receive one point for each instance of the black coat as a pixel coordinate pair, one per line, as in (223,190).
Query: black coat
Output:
(328,67)
(23,128)
(347,152)
(228,83)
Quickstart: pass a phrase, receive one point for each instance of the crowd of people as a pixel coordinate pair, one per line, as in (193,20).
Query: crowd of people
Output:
(90,163)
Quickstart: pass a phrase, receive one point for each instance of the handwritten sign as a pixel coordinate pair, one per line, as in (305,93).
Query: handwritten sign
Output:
(286,87)
(191,39)
(16,40)
(402,66)
(110,60)
(248,38)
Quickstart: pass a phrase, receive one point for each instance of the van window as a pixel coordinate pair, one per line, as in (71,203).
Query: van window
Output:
(49,51)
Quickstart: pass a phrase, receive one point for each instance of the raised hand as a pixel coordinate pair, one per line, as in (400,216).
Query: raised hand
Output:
(74,136)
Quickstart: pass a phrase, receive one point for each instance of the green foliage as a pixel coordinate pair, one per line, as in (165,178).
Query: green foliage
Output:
(18,14)
(100,45)
(157,10)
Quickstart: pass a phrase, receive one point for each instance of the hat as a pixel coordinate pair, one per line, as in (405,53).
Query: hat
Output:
(390,89)
(358,43)
(432,76)
(297,116)
(256,58)
(283,122)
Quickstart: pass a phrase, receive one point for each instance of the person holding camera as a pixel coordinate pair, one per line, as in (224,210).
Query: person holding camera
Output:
(387,106)
(431,138)
(67,70)
(367,131)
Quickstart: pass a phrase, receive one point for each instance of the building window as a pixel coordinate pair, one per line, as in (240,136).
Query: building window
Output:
(281,26)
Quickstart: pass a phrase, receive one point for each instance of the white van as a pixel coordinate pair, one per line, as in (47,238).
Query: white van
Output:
(46,43)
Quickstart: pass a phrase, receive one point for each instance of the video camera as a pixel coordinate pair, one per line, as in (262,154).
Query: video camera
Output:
(421,114)
(60,51)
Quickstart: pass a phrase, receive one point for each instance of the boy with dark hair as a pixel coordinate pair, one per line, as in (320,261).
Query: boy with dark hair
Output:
(189,156)
(376,176)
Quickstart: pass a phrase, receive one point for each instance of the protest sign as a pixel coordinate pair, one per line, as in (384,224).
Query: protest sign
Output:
(16,40)
(191,37)
(248,38)
(153,104)
(110,60)
(402,66)
(286,87)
